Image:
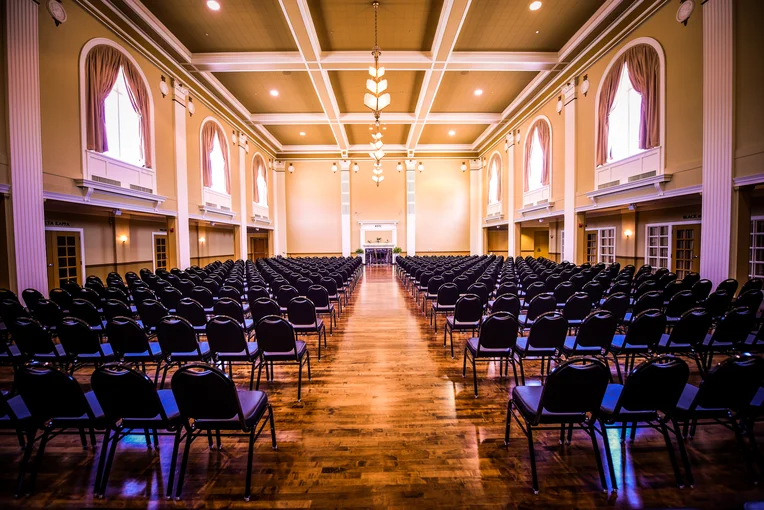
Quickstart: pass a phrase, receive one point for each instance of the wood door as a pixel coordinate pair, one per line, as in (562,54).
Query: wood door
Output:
(686,244)
(64,255)
(541,243)
(259,248)
(160,252)
(592,253)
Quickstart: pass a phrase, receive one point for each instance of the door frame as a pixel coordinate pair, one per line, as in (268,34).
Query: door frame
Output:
(81,232)
(671,225)
(154,247)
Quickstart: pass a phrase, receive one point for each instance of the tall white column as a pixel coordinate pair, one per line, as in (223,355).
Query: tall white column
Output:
(241,140)
(279,209)
(410,207)
(569,225)
(718,111)
(476,197)
(345,205)
(24,135)
(509,197)
(182,237)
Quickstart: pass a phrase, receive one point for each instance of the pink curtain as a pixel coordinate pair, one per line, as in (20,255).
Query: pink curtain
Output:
(527,157)
(224,149)
(101,70)
(208,140)
(545,137)
(258,170)
(607,97)
(644,72)
(497,160)
(139,98)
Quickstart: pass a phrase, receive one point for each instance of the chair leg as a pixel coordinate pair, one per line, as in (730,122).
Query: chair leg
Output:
(672,456)
(451,337)
(299,377)
(209,439)
(250,455)
(532,452)
(183,464)
(24,463)
(307,357)
(597,455)
(514,368)
(174,461)
(109,463)
(252,376)
(464,365)
(102,461)
(609,457)
(618,366)
(508,422)
(273,427)
(522,371)
(683,452)
(474,376)
(83,439)
(259,372)
(38,460)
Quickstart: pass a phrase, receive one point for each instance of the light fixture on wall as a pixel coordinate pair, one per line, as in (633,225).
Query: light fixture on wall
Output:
(559,105)
(233,137)
(517,136)
(376,100)
(123,239)
(627,233)
(291,168)
(399,166)
(420,167)
(355,167)
(201,239)
(191,107)
(334,168)
(585,85)
(464,166)
(163,87)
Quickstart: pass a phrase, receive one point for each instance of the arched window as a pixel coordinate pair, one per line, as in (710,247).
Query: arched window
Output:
(118,106)
(494,180)
(260,180)
(629,104)
(215,168)
(538,155)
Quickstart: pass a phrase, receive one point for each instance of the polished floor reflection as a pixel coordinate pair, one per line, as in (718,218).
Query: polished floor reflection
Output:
(388,421)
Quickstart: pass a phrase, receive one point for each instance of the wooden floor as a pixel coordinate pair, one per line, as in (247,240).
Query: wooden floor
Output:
(388,421)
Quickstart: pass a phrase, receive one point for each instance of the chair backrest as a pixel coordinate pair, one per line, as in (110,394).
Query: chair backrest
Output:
(125,393)
(498,331)
(731,384)
(229,307)
(672,288)
(301,311)
(734,327)
(448,294)
(330,285)
(10,310)
(645,287)
(91,296)
(115,293)
(750,299)
(30,297)
(469,308)
(752,284)
(507,303)
(176,334)
(575,386)
(61,298)
(231,292)
(462,283)
(617,304)
(507,287)
(285,295)
(533,290)
(77,337)
(256,292)
(318,295)
(126,336)
(654,385)
(114,308)
(548,331)
(597,329)
(262,307)
(203,392)
(717,303)
(577,307)
(691,279)
(481,290)
(729,286)
(170,297)
(31,337)
(541,304)
(225,334)
(700,289)
(648,300)
(680,303)
(151,312)
(49,393)
(434,283)
(692,327)
(275,335)
(595,290)
(191,310)
(9,294)
(646,328)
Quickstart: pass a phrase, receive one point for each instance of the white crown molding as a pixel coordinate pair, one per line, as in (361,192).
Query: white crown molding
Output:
(289,119)
(650,197)
(248,61)
(5,189)
(501,61)
(746,180)
(109,204)
(444,148)
(592,23)
(388,148)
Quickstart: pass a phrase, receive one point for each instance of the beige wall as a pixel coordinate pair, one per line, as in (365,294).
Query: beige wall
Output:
(497,240)
(5,177)
(371,203)
(218,243)
(749,76)
(442,208)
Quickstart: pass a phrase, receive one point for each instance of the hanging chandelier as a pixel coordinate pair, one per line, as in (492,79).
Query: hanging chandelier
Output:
(376,100)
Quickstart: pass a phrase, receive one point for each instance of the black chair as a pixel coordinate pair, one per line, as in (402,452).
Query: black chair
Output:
(540,304)
(448,295)
(256,292)
(82,344)
(191,310)
(284,295)
(729,286)
(141,294)
(701,289)
(131,402)
(92,297)
(209,401)
(594,290)
(480,290)
(722,398)
(151,313)
(430,294)
(752,284)
(647,301)
(570,397)
(687,336)
(644,333)
(262,307)
(14,416)
(170,297)
(594,337)
(57,405)
(678,304)
(690,280)
(506,303)
(717,303)
(319,296)
(114,308)
(545,340)
(672,289)
(278,344)
(233,309)
(648,399)
(130,343)
(62,298)
(228,343)
(179,344)
(468,312)
(618,305)
(35,343)
(533,290)
(87,312)
(576,308)
(562,292)
(301,313)
(203,296)
(30,296)
(729,335)
(498,334)
(750,299)
(331,287)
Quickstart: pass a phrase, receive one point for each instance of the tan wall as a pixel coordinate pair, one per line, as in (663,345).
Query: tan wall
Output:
(5,278)
(497,241)
(218,243)
(313,209)
(371,203)
(749,75)
(5,177)
(442,208)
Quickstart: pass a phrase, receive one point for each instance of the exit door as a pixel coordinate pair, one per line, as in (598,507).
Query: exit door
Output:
(64,257)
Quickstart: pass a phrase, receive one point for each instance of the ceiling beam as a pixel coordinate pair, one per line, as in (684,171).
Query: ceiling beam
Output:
(295,119)
(501,61)
(248,61)
(361,60)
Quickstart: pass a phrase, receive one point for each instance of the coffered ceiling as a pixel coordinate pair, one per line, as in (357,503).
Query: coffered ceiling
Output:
(456,69)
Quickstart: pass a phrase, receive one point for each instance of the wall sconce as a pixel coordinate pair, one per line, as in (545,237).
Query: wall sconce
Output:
(559,105)
(399,166)
(585,85)
(356,167)
(517,136)
(270,164)
(233,137)
(627,233)
(123,238)
(420,167)
(163,87)
(201,239)
(334,168)
(291,168)
(464,166)
(191,107)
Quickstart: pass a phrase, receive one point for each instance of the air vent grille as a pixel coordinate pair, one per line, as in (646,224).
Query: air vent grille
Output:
(642,176)
(135,187)
(104,180)
(609,184)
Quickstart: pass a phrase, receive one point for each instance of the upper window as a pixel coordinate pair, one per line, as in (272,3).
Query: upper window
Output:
(215,168)
(118,106)
(494,180)
(623,135)
(261,181)
(535,163)
(537,155)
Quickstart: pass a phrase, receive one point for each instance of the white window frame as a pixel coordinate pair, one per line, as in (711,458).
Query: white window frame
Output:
(599,231)
(752,248)
(98,164)
(209,195)
(154,247)
(648,160)
(544,192)
(259,209)
(670,225)
(494,209)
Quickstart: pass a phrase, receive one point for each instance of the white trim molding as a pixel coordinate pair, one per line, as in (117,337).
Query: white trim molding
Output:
(748,180)
(538,196)
(89,187)
(81,232)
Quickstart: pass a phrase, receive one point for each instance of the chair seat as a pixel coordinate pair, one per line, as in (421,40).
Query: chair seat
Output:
(253,406)
(153,353)
(523,349)
(528,398)
(99,419)
(685,402)
(756,408)
(570,347)
(664,346)
(609,402)
(485,352)
(287,356)
(309,328)
(249,324)
(249,354)
(325,309)
(617,345)
(443,308)
(48,356)
(459,325)
(11,354)
(204,347)
(108,354)
(717,345)
(170,407)
(20,412)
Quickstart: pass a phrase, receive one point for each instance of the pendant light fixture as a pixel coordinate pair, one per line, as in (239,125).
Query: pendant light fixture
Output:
(376,99)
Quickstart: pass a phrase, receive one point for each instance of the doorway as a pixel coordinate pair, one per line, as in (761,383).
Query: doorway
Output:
(160,250)
(686,242)
(258,248)
(64,257)
(541,243)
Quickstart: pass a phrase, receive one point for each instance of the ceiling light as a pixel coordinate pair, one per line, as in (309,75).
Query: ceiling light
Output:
(376,99)
(302,133)
(464,166)
(478,92)
(291,168)
(213,5)
(451,132)
(537,31)
(399,166)
(275,93)
(355,167)
(334,168)
(420,167)
(535,6)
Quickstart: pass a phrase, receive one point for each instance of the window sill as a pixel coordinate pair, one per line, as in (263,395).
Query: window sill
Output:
(648,163)
(216,201)
(92,186)
(114,172)
(658,181)
(538,196)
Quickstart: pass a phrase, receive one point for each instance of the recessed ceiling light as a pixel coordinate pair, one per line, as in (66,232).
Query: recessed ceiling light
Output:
(537,31)
(451,133)
(275,93)
(535,6)
(213,5)
(302,133)
(478,92)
